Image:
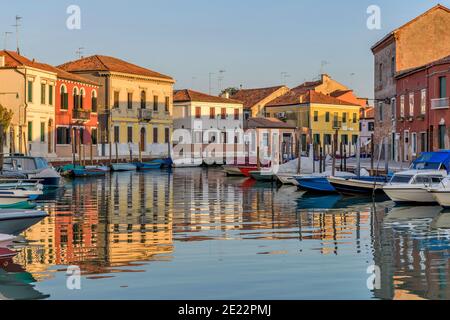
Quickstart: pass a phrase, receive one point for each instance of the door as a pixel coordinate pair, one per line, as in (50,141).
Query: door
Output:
(406,145)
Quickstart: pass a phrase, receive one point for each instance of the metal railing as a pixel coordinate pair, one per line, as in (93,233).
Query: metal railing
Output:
(79,114)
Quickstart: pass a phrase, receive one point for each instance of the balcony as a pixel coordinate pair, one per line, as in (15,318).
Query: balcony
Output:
(442,103)
(81,115)
(145,115)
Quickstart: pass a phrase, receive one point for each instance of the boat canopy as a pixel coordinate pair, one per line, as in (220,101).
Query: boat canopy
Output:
(432,161)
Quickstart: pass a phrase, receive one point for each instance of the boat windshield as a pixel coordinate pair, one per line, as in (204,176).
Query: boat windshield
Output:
(428,179)
(427,166)
(41,163)
(19,164)
(401,178)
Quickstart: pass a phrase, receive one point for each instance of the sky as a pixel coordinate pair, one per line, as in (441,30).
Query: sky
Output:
(252,41)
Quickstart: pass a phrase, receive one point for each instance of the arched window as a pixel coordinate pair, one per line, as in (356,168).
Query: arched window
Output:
(81,98)
(76,104)
(64,98)
(94,101)
(143,99)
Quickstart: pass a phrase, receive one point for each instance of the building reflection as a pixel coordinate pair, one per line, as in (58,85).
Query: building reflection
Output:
(414,254)
(103,223)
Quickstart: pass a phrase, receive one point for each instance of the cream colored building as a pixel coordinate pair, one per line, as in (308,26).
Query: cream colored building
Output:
(28,88)
(135,106)
(210,120)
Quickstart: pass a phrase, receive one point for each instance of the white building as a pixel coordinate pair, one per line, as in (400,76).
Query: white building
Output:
(27,87)
(210,121)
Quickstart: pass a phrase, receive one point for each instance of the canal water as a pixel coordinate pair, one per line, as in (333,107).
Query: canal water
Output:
(196,234)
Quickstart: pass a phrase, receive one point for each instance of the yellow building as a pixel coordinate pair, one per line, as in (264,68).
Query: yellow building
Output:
(318,116)
(135,105)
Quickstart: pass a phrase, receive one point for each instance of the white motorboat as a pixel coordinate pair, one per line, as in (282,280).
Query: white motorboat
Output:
(23,187)
(14,222)
(441,193)
(412,186)
(35,168)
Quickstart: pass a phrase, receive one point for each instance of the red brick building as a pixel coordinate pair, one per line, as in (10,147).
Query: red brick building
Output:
(423,103)
(75,115)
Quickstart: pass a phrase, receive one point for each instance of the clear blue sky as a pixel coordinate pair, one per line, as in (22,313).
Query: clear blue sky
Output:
(253,40)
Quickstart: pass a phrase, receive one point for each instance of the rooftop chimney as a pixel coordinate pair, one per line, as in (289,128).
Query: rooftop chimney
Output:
(2,61)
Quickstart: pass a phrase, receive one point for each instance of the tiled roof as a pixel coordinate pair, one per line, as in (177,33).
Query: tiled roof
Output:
(186,95)
(300,96)
(105,63)
(14,60)
(267,123)
(250,97)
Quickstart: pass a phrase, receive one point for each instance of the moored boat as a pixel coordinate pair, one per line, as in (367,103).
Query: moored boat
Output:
(287,178)
(262,175)
(88,172)
(120,167)
(319,183)
(35,168)
(412,186)
(14,222)
(232,170)
(152,165)
(358,186)
(16,198)
(187,162)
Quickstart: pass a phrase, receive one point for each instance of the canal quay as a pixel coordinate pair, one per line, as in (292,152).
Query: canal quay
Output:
(193,233)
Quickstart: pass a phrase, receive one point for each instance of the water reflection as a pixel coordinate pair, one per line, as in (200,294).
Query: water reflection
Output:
(193,233)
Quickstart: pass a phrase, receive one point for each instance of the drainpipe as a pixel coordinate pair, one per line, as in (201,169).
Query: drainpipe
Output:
(24,74)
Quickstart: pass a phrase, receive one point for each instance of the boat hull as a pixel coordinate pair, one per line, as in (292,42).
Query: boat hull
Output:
(315,184)
(14,222)
(442,197)
(261,176)
(142,166)
(232,171)
(85,173)
(405,195)
(287,179)
(121,167)
(355,186)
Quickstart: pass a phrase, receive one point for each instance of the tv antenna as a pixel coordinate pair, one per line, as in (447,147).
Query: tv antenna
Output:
(79,52)
(283,76)
(17,25)
(210,82)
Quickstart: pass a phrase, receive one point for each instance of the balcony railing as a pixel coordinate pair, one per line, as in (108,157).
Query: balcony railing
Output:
(442,103)
(145,115)
(84,115)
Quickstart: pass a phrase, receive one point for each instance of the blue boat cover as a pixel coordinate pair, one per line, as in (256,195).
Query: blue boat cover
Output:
(433,161)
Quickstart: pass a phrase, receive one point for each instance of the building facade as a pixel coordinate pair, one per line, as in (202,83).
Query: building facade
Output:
(318,116)
(134,106)
(76,116)
(422,107)
(27,87)
(210,120)
(418,42)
